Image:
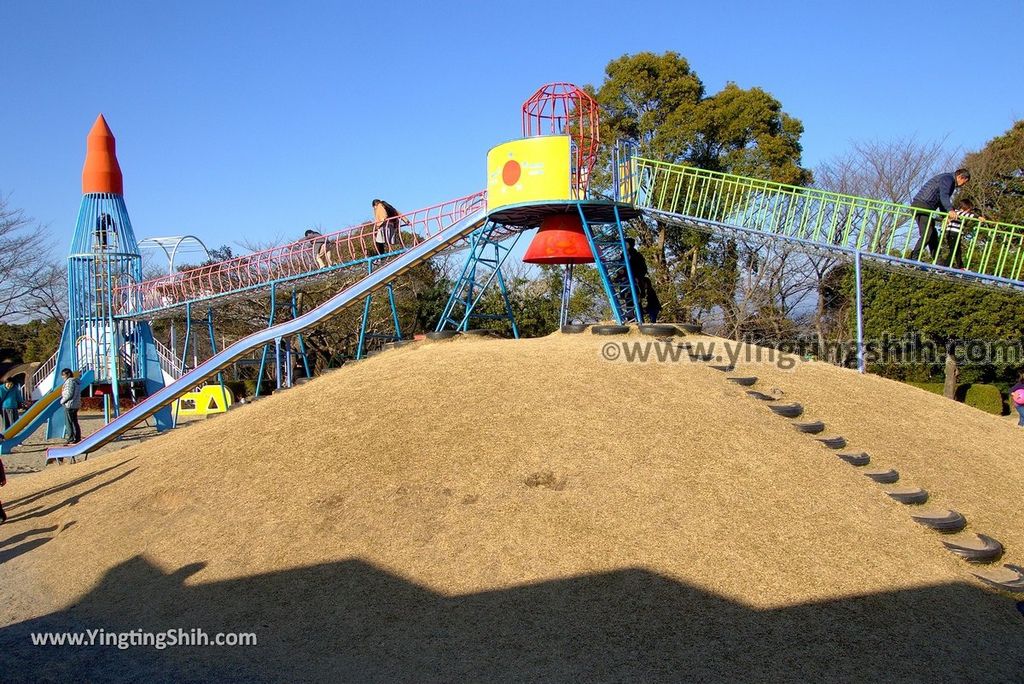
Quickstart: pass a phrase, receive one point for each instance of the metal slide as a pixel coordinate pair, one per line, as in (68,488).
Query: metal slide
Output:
(36,415)
(376,280)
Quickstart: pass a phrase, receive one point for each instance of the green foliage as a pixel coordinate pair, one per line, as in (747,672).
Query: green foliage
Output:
(984,397)
(997,177)
(32,341)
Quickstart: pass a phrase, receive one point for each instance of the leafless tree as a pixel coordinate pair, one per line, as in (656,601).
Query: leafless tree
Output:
(28,275)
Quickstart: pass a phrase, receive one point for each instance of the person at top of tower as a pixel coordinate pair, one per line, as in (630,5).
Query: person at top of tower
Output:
(936,194)
(385,226)
(104,226)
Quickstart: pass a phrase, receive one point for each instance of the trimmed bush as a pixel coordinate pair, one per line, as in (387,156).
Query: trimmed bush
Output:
(981,396)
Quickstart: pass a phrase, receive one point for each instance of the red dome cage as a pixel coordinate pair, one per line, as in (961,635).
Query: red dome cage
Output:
(565,109)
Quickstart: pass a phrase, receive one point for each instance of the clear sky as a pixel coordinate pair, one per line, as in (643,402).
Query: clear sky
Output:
(252,121)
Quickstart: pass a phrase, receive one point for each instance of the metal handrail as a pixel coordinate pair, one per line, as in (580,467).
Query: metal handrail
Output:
(294,260)
(987,248)
(40,374)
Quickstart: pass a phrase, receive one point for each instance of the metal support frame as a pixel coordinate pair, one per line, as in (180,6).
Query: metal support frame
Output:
(860,314)
(611,257)
(266,347)
(298,337)
(365,321)
(469,289)
(563,309)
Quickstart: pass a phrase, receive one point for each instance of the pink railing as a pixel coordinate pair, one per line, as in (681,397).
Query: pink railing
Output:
(306,257)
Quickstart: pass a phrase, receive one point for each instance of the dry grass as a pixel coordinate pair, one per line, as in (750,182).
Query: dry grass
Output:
(483,467)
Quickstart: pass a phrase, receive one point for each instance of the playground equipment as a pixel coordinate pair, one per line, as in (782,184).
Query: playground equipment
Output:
(542,180)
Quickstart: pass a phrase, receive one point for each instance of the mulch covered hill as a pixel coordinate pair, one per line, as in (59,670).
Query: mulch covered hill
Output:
(515,510)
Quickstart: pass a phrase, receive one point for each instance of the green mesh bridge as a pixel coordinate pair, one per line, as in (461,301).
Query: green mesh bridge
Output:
(826,222)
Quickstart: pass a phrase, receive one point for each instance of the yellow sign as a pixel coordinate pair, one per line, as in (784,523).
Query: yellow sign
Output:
(528,170)
(209,399)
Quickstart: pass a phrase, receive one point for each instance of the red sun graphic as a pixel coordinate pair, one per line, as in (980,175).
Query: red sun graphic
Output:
(511,172)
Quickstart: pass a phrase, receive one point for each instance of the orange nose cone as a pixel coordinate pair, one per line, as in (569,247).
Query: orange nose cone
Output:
(101,172)
(560,240)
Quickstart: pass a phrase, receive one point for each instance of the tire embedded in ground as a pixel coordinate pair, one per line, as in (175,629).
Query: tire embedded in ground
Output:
(743,382)
(442,334)
(940,520)
(658,329)
(574,328)
(693,328)
(912,496)
(609,329)
(1009,577)
(887,476)
(702,357)
(860,459)
(980,548)
(761,396)
(725,369)
(832,442)
(787,410)
(812,428)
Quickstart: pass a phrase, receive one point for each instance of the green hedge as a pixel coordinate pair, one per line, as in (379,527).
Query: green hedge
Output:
(985,397)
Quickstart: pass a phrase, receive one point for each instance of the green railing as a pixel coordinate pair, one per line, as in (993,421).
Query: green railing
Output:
(827,219)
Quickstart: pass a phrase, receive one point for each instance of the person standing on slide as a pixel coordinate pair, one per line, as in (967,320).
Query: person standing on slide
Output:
(936,194)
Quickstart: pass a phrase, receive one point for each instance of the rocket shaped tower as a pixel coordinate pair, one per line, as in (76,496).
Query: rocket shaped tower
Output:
(103,265)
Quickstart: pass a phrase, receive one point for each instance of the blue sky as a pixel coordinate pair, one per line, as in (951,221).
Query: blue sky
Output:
(252,120)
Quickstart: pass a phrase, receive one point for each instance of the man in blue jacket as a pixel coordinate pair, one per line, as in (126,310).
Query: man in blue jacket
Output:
(936,195)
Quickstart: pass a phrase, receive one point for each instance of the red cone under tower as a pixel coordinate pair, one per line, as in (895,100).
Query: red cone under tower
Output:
(560,240)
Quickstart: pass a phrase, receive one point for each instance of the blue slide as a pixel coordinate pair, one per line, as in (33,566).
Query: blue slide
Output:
(339,302)
(37,414)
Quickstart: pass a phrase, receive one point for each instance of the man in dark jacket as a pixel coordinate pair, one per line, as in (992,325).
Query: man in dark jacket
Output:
(936,195)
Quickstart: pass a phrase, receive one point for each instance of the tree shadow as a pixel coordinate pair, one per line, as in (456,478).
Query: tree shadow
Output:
(70,501)
(351,621)
(29,498)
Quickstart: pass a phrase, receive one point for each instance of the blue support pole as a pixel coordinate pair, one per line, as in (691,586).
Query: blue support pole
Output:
(860,313)
(302,343)
(629,270)
(563,309)
(266,347)
(277,362)
(213,350)
(188,336)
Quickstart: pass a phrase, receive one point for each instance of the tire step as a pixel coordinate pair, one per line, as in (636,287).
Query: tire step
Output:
(743,382)
(832,442)
(725,369)
(1009,578)
(609,329)
(976,548)
(886,476)
(574,328)
(702,357)
(859,459)
(760,395)
(442,334)
(787,410)
(912,496)
(658,329)
(941,520)
(693,328)
(812,428)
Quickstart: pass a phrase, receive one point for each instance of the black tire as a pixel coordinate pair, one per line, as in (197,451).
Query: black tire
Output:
(889,476)
(760,396)
(984,550)
(574,328)
(743,382)
(725,369)
(1015,584)
(401,343)
(658,329)
(946,522)
(609,329)
(832,442)
(442,334)
(787,410)
(693,328)
(702,357)
(861,459)
(813,428)
(911,496)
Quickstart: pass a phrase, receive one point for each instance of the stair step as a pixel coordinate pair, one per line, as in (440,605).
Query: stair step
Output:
(1009,577)
(975,548)
(743,381)
(761,396)
(910,495)
(856,459)
(832,442)
(787,410)
(883,475)
(725,369)
(941,520)
(811,428)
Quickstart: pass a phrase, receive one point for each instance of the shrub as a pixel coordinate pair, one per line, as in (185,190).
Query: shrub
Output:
(983,397)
